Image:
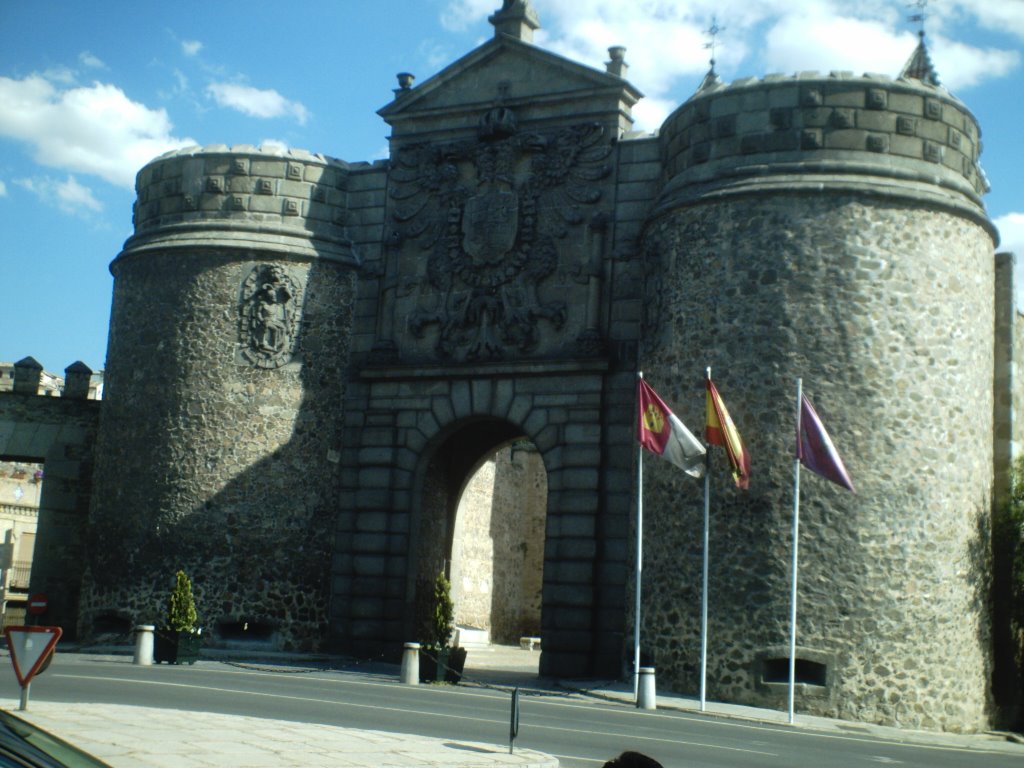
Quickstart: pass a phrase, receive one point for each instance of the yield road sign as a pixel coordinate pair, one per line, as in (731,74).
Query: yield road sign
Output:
(30,648)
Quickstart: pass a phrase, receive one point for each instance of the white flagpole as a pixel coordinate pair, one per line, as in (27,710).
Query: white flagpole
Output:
(639,556)
(796,542)
(704,581)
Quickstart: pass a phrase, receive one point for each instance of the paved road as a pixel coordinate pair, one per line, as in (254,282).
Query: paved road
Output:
(582,731)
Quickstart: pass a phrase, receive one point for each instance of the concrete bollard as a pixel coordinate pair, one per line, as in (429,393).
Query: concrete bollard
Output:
(144,645)
(645,696)
(411,664)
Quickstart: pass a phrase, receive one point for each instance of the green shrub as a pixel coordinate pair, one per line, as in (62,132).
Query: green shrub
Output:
(444,613)
(181,606)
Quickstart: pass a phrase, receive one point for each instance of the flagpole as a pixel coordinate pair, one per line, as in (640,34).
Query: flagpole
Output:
(639,567)
(796,542)
(704,580)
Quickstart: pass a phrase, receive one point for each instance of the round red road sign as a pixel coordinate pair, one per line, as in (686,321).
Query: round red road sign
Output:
(37,604)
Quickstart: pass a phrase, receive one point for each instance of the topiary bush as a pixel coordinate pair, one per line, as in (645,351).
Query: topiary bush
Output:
(444,613)
(181,605)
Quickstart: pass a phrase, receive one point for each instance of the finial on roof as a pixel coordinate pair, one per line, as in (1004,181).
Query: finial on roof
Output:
(517,19)
(919,66)
(711,79)
(617,66)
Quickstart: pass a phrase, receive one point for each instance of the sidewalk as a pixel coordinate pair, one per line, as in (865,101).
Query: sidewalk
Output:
(144,737)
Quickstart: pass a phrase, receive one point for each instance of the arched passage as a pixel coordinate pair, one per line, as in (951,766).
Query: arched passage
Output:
(497,560)
(480,520)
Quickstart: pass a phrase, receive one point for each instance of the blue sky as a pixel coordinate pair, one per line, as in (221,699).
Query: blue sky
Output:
(90,91)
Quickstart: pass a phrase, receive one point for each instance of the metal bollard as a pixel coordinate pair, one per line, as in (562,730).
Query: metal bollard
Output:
(144,645)
(411,664)
(645,696)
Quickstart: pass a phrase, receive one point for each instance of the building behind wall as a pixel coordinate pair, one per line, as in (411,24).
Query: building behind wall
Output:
(343,344)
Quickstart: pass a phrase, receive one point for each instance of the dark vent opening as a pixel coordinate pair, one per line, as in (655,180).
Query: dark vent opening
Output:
(111,624)
(245,629)
(807,672)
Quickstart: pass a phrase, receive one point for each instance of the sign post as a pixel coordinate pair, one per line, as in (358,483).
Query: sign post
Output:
(513,725)
(31,649)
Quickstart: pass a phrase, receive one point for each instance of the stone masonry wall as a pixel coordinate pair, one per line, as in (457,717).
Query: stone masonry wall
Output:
(221,420)
(853,296)
(60,432)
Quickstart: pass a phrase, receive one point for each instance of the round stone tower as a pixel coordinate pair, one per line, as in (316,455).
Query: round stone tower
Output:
(218,450)
(829,228)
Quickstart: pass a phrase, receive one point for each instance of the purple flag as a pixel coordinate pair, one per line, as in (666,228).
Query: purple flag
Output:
(814,447)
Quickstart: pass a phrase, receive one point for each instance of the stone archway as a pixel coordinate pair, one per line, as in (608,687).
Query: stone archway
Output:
(57,433)
(418,437)
(481,520)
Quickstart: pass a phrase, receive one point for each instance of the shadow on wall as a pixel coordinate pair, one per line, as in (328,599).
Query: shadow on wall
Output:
(217,465)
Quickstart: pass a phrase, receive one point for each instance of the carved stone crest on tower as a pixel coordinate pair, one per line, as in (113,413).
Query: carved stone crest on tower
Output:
(269,312)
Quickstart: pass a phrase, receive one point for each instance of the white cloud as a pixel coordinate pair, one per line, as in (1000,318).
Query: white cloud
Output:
(95,130)
(666,40)
(1011,232)
(459,15)
(191,47)
(274,145)
(3,189)
(1011,239)
(89,60)
(825,43)
(256,102)
(1006,16)
(68,195)
(962,66)
(62,75)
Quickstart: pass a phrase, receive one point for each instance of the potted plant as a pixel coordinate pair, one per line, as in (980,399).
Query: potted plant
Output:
(450,660)
(177,642)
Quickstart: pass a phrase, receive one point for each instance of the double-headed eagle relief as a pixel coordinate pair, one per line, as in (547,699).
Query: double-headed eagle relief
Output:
(493,216)
(269,316)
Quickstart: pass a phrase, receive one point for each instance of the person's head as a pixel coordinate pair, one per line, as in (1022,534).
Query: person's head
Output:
(633,760)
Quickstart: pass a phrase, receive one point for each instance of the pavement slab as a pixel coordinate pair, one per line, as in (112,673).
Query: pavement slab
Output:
(145,737)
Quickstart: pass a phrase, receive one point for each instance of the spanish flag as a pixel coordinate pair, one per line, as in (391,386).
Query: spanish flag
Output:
(660,431)
(720,430)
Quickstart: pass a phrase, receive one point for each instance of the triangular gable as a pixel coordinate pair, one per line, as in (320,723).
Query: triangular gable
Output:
(508,70)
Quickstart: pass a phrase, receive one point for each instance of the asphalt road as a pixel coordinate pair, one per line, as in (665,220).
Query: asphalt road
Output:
(580,731)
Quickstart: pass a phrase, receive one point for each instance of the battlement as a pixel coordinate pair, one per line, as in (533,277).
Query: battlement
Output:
(289,200)
(27,377)
(900,136)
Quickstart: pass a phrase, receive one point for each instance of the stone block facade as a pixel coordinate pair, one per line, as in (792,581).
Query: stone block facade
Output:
(310,358)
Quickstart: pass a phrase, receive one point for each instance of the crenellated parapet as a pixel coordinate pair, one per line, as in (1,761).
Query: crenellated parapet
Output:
(217,196)
(897,137)
(27,377)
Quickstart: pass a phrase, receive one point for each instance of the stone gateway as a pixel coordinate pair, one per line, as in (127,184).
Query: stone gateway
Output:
(309,359)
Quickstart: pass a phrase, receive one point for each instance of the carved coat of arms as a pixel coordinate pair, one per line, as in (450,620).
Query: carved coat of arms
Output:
(489,214)
(269,316)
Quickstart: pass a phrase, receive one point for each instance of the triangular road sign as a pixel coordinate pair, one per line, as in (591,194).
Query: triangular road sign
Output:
(30,647)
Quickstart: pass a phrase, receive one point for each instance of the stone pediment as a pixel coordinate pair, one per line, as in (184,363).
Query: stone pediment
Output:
(538,84)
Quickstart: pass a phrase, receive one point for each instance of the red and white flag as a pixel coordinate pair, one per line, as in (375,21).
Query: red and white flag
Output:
(660,431)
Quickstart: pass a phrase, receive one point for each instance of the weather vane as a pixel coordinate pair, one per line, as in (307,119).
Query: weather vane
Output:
(920,16)
(714,30)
